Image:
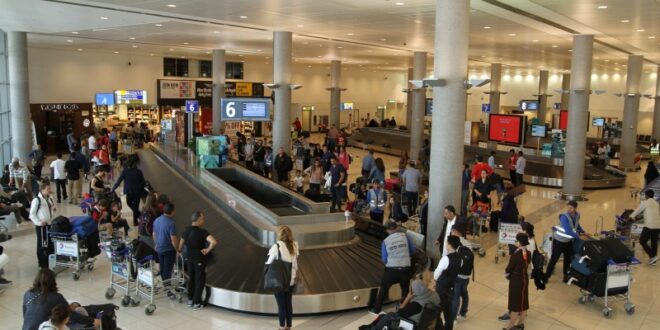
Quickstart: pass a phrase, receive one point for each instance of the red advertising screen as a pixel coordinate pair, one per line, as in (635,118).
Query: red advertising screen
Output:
(563,119)
(506,128)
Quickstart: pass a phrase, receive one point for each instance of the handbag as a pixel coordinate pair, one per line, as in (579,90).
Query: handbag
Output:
(277,274)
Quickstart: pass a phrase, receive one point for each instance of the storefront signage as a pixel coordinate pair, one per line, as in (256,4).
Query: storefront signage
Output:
(176,89)
(307,108)
(243,89)
(204,89)
(61,107)
(134,96)
(234,109)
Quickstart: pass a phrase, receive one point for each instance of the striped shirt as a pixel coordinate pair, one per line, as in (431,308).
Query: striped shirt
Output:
(20,172)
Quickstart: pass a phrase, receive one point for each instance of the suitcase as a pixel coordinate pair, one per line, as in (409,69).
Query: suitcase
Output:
(61,225)
(597,282)
(106,313)
(493,225)
(83,225)
(390,184)
(581,280)
(580,267)
(618,250)
(597,253)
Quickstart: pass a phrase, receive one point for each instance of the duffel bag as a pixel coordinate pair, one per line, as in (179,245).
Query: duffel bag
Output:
(61,225)
(83,225)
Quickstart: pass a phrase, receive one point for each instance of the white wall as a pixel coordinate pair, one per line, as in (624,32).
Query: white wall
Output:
(71,76)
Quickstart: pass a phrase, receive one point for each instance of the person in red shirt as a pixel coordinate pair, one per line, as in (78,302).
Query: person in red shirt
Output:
(100,210)
(478,167)
(513,159)
(297,125)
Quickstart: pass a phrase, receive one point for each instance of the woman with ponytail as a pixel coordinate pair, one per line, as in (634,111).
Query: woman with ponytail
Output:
(287,249)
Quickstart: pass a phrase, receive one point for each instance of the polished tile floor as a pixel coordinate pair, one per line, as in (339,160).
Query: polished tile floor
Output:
(555,308)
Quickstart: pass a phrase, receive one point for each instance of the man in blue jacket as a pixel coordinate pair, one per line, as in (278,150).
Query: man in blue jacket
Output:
(563,235)
(134,184)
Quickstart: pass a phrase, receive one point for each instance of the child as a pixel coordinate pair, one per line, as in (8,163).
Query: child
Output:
(299,182)
(116,219)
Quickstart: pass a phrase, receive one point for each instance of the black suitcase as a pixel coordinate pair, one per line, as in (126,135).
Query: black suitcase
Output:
(597,253)
(597,283)
(106,313)
(618,251)
(581,280)
(61,225)
(494,221)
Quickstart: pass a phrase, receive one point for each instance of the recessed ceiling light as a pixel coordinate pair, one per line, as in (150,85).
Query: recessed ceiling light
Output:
(216,31)
(116,52)
(349,34)
(607,60)
(487,27)
(512,34)
(267,57)
(625,21)
(400,3)
(305,43)
(183,56)
(369,51)
(207,52)
(259,50)
(640,30)
(240,55)
(80,49)
(602,7)
(554,46)
(383,39)
(172,6)
(74,32)
(185,43)
(570,50)
(103,17)
(267,63)
(69,40)
(159,25)
(319,56)
(418,21)
(243,17)
(131,38)
(340,47)
(300,25)
(651,37)
(171,49)
(134,46)
(535,40)
(151,54)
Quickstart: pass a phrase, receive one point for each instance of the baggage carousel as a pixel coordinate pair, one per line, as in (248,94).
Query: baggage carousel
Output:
(340,267)
(540,170)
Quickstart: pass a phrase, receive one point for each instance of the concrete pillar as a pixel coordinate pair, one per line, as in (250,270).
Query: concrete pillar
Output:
(19,95)
(656,109)
(565,86)
(282,78)
(335,92)
(495,84)
(452,28)
(630,113)
(576,135)
(543,97)
(409,98)
(418,106)
(219,76)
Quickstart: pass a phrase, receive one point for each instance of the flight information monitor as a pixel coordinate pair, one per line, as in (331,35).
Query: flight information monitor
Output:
(248,109)
(529,105)
(539,130)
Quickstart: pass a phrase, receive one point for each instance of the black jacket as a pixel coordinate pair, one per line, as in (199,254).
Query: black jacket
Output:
(133,181)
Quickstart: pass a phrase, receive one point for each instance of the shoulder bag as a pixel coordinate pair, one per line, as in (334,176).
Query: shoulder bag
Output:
(277,274)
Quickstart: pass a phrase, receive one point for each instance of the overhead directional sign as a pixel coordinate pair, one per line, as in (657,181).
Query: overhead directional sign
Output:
(234,109)
(192,106)
(485,107)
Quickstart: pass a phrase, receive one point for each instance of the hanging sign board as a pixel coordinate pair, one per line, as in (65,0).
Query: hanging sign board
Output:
(176,89)
(135,96)
(243,89)
(235,109)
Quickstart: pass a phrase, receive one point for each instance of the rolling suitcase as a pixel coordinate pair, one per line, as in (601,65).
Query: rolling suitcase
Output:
(597,253)
(618,251)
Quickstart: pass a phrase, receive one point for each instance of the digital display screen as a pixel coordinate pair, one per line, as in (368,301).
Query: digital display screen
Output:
(131,96)
(254,109)
(105,99)
(600,122)
(529,105)
(347,106)
(506,128)
(539,130)
(563,119)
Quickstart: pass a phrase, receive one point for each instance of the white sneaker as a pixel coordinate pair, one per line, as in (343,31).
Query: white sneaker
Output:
(19,205)
(653,261)
(460,318)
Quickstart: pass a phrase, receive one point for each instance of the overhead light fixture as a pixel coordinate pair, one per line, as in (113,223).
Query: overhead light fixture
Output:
(240,55)
(152,54)
(183,56)
(487,27)
(640,30)
(340,47)
(607,61)
(349,34)
(400,3)
(602,7)
(216,31)
(243,17)
(535,40)
(418,21)
(651,37)
(80,49)
(103,17)
(185,43)
(116,52)
(74,32)
(131,38)
(159,25)
(69,40)
(383,39)
(300,25)
(134,46)
(625,21)
(259,50)
(370,51)
(554,46)
(171,6)
(207,52)
(171,49)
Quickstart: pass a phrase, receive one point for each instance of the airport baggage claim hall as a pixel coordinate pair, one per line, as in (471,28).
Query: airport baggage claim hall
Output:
(269,164)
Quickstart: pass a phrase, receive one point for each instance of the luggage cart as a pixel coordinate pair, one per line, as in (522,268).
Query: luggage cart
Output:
(149,285)
(120,274)
(618,278)
(478,221)
(71,252)
(506,235)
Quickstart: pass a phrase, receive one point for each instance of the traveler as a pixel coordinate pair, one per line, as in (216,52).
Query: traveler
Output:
(198,244)
(479,167)
(165,240)
(259,155)
(376,197)
(15,208)
(59,176)
(649,207)
(461,296)
(4,260)
(299,182)
(59,317)
(73,167)
(282,165)
(337,178)
(325,159)
(521,163)
(445,276)
(513,160)
(377,171)
(97,185)
(367,163)
(42,297)
(134,185)
(516,273)
(396,250)
(333,135)
(491,160)
(268,162)
(80,157)
(248,152)
(99,212)
(37,158)
(411,179)
(150,211)
(344,158)
(465,189)
(116,220)
(91,143)
(450,219)
(563,235)
(404,160)
(297,126)
(114,144)
(287,248)
(509,212)
(396,211)
(71,141)
(42,212)
(413,304)
(651,173)
(317,152)
(482,188)
(19,176)
(315,173)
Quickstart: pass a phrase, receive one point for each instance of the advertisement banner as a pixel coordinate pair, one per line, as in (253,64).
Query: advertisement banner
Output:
(506,128)
(507,233)
(176,89)
(243,89)
(134,96)
(204,91)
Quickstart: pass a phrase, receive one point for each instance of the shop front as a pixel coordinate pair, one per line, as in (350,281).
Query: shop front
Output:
(53,121)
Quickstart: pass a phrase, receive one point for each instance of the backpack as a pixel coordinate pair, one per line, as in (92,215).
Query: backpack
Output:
(146,224)
(467,261)
(61,224)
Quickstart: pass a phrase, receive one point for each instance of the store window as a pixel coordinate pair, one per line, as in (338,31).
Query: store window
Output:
(205,69)
(5,129)
(234,70)
(175,67)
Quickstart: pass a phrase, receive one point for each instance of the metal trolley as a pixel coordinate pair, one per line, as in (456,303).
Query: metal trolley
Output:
(476,222)
(149,285)
(120,272)
(71,252)
(618,279)
(506,235)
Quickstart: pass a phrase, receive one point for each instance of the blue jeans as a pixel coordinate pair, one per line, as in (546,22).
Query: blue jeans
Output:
(412,197)
(336,197)
(167,260)
(285,307)
(460,292)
